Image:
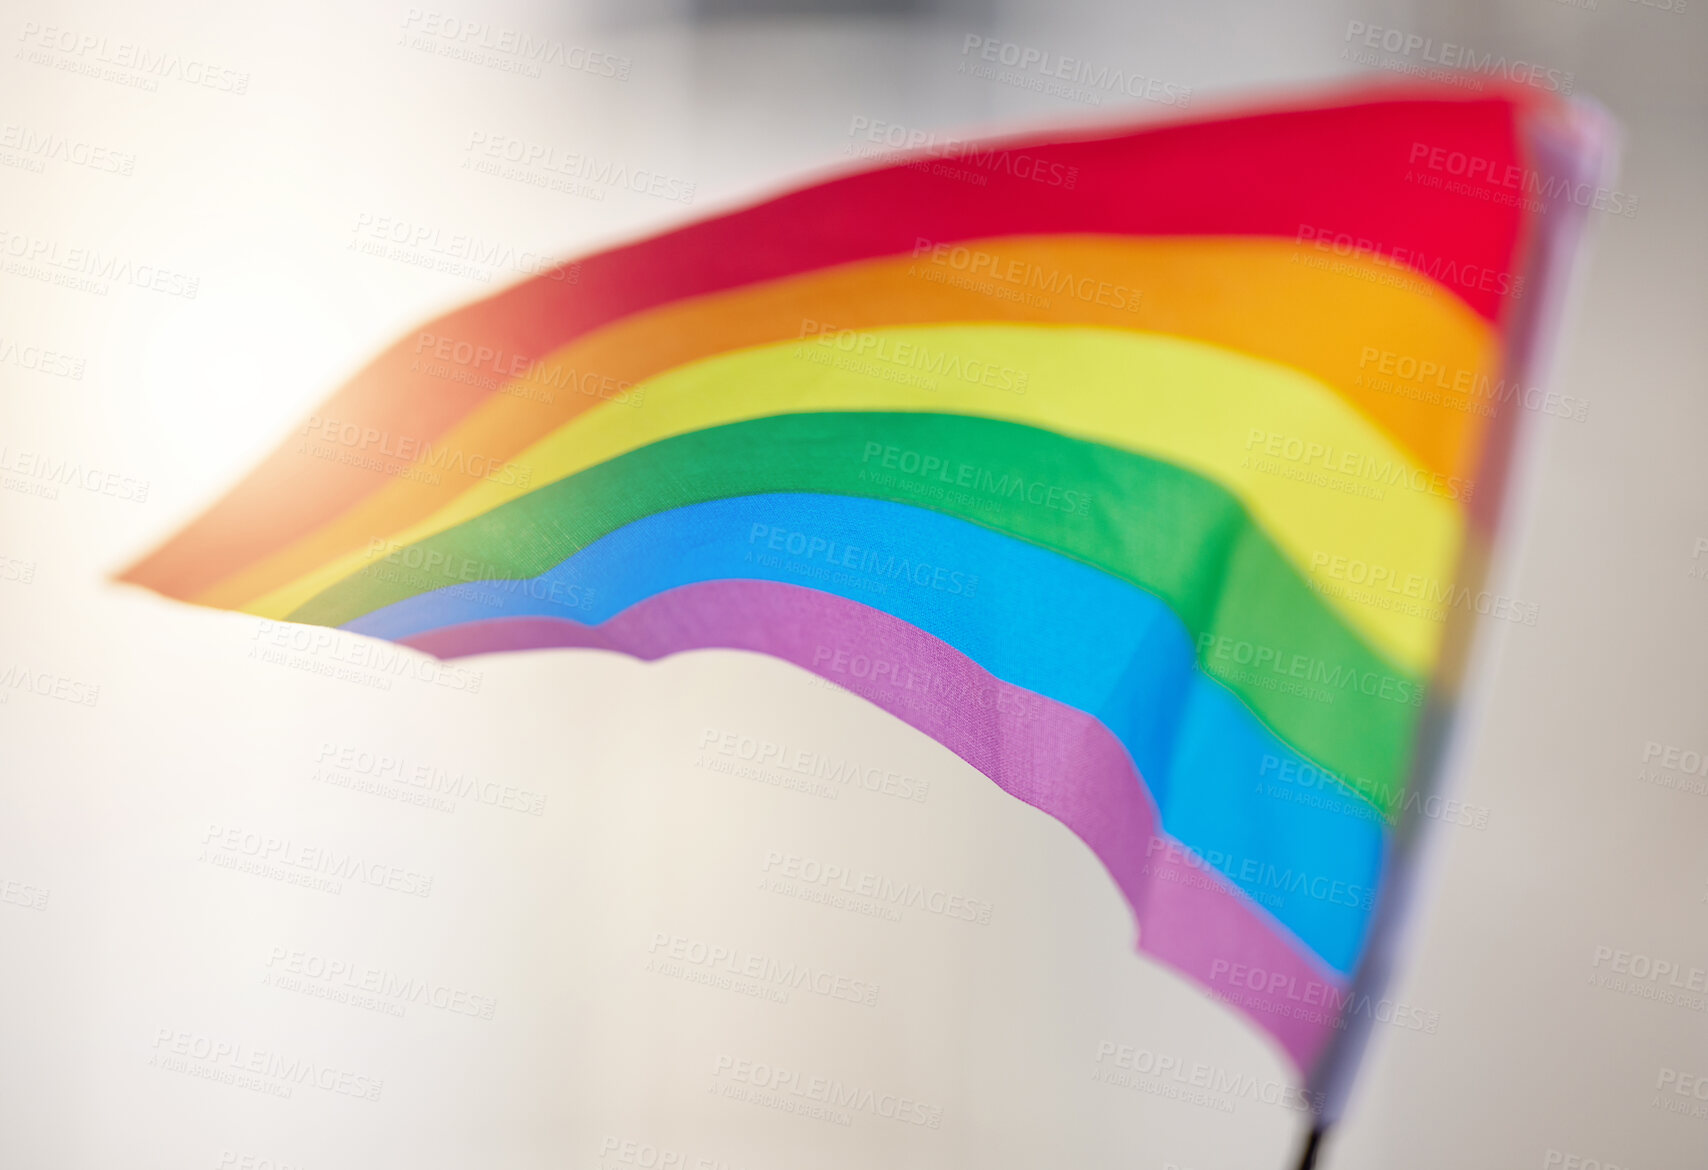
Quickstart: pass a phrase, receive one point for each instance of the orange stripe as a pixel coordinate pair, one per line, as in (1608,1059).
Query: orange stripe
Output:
(1262,297)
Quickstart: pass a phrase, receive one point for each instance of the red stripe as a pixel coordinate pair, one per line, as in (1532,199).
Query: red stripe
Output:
(1341,170)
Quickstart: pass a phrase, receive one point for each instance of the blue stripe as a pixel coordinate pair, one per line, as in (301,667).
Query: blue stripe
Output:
(1029,616)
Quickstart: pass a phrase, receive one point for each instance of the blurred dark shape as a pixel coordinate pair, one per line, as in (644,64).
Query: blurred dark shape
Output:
(738,9)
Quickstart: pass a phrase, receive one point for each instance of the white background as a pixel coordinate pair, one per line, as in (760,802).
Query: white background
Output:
(122,937)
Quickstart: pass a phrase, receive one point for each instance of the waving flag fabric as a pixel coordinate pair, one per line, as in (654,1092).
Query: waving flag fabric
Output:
(1139,468)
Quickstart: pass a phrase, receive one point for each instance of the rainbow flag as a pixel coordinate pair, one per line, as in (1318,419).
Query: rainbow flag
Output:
(1138,467)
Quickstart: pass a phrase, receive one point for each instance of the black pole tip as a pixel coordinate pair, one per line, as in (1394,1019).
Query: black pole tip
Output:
(1308,1156)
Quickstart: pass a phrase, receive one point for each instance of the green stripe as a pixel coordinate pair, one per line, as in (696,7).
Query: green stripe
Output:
(1259,628)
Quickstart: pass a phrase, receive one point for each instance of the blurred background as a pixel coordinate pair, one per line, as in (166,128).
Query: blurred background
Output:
(537,977)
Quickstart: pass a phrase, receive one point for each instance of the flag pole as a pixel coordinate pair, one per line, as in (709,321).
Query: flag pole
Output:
(1578,145)
(1313,1143)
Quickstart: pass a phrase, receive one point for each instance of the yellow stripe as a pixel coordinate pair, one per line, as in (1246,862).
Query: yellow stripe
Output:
(1247,295)
(1320,478)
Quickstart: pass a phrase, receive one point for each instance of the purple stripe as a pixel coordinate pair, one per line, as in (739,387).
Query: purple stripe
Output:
(1053,757)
